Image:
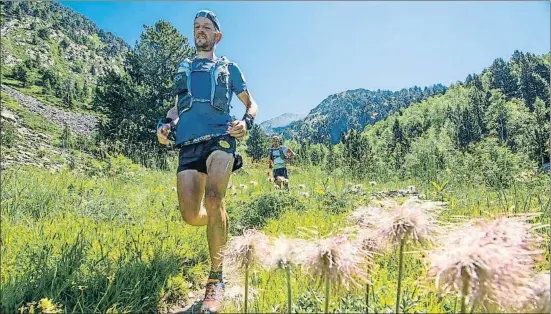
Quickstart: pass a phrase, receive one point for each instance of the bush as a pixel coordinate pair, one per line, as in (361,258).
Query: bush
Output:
(261,208)
(336,204)
(120,165)
(497,164)
(8,133)
(44,33)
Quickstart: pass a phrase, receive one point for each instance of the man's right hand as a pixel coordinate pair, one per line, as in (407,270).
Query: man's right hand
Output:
(162,134)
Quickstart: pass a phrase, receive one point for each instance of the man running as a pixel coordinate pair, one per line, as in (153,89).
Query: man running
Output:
(206,135)
(278,155)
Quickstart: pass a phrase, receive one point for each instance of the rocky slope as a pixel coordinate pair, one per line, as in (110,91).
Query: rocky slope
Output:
(61,52)
(79,123)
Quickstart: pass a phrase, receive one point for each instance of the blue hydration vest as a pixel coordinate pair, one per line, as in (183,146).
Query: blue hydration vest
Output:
(202,119)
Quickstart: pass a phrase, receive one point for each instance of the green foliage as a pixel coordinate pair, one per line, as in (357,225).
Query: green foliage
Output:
(357,154)
(117,241)
(134,101)
(45,18)
(258,143)
(498,165)
(439,188)
(21,74)
(44,33)
(435,137)
(47,89)
(258,210)
(117,165)
(9,137)
(444,135)
(428,156)
(354,109)
(111,239)
(76,257)
(335,203)
(503,78)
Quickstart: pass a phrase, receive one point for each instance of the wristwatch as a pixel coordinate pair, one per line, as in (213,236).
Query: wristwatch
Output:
(249,121)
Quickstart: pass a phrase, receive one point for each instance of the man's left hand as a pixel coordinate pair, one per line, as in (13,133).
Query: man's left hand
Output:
(238,129)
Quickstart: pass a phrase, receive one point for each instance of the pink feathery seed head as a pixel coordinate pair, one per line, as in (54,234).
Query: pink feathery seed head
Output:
(511,231)
(366,217)
(368,240)
(487,272)
(538,300)
(414,220)
(286,252)
(247,250)
(336,258)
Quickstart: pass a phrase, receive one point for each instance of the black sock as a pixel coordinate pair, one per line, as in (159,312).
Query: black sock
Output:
(215,274)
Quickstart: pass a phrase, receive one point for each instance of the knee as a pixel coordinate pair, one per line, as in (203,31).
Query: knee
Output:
(191,219)
(213,198)
(190,214)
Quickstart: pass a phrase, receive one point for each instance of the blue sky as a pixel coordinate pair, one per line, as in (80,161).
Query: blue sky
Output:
(295,54)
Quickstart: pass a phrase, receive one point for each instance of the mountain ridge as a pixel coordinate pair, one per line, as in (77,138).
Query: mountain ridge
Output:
(359,107)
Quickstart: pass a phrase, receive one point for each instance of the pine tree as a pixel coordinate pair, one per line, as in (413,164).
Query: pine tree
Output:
(258,143)
(21,74)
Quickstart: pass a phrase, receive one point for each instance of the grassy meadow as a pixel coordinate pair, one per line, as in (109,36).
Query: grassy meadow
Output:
(112,239)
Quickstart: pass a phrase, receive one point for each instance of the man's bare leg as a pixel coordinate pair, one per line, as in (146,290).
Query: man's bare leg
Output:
(191,188)
(219,168)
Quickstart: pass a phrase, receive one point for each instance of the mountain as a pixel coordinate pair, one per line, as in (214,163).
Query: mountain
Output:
(62,52)
(354,109)
(277,123)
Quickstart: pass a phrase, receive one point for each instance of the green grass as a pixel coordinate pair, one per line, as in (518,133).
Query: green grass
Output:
(112,239)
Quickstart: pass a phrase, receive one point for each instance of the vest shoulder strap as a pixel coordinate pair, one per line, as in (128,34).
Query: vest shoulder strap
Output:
(185,65)
(281,153)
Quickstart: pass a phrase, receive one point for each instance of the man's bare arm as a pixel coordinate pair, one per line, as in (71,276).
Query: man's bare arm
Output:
(249,103)
(238,128)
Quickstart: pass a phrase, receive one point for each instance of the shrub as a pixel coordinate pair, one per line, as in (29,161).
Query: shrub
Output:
(256,212)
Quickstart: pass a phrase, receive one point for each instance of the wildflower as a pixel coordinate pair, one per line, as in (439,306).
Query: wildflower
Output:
(398,224)
(47,306)
(412,221)
(487,262)
(247,250)
(286,252)
(243,252)
(335,260)
(538,300)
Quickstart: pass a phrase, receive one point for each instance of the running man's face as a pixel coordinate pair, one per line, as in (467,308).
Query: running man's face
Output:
(206,35)
(275,140)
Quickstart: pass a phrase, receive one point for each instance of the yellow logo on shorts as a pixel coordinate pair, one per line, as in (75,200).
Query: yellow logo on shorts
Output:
(224,144)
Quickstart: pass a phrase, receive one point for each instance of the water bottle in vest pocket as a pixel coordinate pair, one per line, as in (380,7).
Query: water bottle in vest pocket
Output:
(221,91)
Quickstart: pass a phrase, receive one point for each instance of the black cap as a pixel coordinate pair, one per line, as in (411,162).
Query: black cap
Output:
(209,15)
